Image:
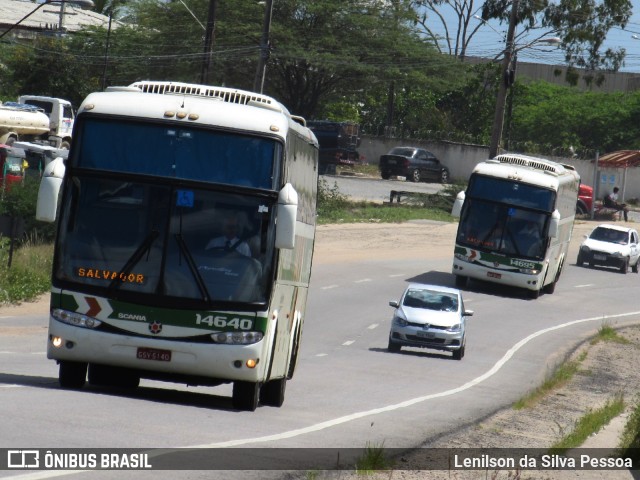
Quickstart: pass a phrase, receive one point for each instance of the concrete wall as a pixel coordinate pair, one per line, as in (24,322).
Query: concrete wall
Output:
(461,158)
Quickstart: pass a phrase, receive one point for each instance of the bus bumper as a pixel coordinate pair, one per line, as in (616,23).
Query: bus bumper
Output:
(510,278)
(215,361)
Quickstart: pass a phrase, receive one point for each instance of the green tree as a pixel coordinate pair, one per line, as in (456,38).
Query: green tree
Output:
(564,118)
(582,26)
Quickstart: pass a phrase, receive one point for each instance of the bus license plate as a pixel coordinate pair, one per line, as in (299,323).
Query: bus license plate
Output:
(153,354)
(494,275)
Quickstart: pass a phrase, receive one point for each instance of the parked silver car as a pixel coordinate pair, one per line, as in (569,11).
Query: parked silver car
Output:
(429,316)
(611,246)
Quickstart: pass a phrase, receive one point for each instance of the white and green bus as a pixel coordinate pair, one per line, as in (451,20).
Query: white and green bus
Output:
(516,220)
(157,174)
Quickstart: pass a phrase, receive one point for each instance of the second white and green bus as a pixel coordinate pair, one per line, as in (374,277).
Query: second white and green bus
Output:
(516,221)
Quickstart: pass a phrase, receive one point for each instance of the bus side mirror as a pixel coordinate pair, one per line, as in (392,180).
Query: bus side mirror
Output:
(286,217)
(457,205)
(554,224)
(49,190)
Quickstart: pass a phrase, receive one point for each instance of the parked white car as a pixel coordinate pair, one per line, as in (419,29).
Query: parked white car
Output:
(429,316)
(611,246)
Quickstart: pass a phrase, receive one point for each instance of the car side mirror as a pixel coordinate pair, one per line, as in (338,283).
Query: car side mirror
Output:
(467,313)
(394,304)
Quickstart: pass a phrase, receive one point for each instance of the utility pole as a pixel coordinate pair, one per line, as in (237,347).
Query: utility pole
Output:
(498,119)
(258,83)
(208,41)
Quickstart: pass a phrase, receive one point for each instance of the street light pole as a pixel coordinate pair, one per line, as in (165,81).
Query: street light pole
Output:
(208,41)
(258,83)
(498,119)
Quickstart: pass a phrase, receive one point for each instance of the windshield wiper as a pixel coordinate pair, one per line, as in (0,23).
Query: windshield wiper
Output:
(192,266)
(135,258)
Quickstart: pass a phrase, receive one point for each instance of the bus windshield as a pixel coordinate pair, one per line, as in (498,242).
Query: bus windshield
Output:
(505,229)
(513,193)
(177,152)
(159,244)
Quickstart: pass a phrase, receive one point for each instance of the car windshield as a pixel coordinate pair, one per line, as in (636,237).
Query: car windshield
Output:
(610,235)
(430,300)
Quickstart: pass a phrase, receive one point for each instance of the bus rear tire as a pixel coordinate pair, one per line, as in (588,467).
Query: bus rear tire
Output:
(550,288)
(272,392)
(72,374)
(245,395)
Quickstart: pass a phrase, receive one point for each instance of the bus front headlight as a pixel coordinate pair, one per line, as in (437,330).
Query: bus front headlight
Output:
(237,338)
(76,319)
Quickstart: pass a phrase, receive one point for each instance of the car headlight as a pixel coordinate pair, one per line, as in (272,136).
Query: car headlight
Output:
(400,322)
(455,328)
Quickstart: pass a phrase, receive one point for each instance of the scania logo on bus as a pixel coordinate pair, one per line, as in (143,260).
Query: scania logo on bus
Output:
(132,316)
(155,327)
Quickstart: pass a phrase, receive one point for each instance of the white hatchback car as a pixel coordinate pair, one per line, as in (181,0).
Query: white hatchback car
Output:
(611,246)
(429,316)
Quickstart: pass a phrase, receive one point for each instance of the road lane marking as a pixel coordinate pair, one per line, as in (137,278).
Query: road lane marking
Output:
(322,354)
(364,280)
(329,287)
(373,325)
(349,342)
(366,413)
(397,275)
(10,386)
(585,285)
(413,401)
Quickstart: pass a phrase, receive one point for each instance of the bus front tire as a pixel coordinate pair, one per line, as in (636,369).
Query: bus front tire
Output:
(461,281)
(72,374)
(272,392)
(245,395)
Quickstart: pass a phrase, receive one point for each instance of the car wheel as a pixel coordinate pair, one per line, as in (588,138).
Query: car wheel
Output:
(393,347)
(579,261)
(385,175)
(458,354)
(625,266)
(444,177)
(415,175)
(634,268)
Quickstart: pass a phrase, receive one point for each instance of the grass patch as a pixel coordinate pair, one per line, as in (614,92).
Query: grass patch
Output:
(629,446)
(606,333)
(30,272)
(591,422)
(336,207)
(372,460)
(557,379)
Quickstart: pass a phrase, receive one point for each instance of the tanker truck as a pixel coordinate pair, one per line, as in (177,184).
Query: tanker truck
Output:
(37,119)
